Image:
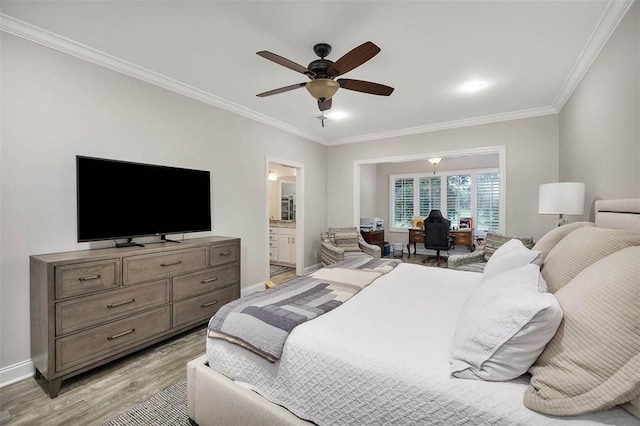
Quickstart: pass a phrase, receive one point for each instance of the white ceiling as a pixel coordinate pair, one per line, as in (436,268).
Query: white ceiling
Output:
(529,54)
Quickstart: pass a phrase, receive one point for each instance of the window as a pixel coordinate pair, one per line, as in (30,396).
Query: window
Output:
(402,205)
(458,197)
(429,195)
(470,193)
(488,201)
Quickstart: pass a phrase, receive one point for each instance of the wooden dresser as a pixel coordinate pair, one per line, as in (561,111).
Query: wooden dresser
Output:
(93,306)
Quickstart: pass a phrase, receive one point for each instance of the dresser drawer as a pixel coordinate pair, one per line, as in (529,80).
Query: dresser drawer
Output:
(204,282)
(416,236)
(92,345)
(76,314)
(201,308)
(224,254)
(162,265)
(85,278)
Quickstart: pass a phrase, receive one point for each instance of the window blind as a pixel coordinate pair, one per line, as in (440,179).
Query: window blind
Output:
(488,201)
(470,193)
(458,197)
(428,195)
(402,207)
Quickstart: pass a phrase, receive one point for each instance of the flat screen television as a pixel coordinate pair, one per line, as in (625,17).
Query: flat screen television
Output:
(120,199)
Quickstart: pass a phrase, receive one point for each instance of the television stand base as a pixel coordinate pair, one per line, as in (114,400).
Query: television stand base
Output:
(129,243)
(164,238)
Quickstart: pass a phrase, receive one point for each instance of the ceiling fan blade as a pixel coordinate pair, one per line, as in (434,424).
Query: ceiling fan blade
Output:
(324,106)
(281,90)
(286,63)
(353,58)
(365,87)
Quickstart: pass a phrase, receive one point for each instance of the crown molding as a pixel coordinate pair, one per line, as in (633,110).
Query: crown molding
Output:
(467,122)
(46,38)
(611,17)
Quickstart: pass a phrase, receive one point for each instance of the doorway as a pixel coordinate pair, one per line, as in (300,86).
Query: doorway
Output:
(372,185)
(285,212)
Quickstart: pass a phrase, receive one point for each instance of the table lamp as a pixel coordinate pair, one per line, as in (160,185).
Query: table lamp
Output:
(561,198)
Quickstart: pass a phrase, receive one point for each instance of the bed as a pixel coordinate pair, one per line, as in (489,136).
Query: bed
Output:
(385,358)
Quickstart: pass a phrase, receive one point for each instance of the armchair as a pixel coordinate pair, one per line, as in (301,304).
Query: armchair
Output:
(342,243)
(477,260)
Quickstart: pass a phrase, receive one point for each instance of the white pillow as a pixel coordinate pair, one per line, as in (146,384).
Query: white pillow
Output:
(511,255)
(504,326)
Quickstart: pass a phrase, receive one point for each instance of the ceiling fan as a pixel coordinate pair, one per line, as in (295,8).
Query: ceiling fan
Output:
(322,73)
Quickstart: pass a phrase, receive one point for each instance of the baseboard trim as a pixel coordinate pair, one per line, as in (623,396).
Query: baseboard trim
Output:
(16,372)
(245,291)
(311,269)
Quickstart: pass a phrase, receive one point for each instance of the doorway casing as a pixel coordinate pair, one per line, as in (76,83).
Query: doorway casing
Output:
(299,210)
(501,150)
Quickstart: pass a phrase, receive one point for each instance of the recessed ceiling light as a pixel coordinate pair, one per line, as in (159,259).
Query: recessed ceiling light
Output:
(473,86)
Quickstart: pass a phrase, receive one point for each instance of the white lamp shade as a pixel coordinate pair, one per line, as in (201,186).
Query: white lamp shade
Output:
(561,198)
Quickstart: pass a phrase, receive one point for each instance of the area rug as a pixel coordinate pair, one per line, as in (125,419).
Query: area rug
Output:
(169,407)
(423,260)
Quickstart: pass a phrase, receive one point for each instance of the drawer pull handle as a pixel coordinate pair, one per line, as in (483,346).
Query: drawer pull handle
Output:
(225,253)
(90,277)
(209,280)
(171,264)
(115,305)
(124,333)
(206,305)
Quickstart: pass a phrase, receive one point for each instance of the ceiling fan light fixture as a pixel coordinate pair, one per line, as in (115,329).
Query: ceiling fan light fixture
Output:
(435,161)
(322,88)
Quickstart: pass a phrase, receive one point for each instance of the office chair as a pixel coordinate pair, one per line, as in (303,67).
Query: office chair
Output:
(436,234)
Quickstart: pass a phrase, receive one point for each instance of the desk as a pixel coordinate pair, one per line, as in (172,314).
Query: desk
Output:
(463,237)
(375,237)
(416,235)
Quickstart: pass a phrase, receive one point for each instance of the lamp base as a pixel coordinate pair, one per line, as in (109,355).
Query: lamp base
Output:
(561,221)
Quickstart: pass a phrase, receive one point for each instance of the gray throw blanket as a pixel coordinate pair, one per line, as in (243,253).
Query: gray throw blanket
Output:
(262,321)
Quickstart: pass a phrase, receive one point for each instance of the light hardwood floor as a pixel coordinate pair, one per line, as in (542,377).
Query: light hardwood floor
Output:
(97,396)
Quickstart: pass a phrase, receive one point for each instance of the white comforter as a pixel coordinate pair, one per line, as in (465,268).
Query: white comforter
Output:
(382,358)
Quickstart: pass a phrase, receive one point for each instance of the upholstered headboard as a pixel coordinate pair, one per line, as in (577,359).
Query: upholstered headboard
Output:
(619,214)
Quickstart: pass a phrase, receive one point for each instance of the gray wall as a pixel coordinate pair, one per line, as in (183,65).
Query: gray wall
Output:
(369,191)
(600,124)
(55,106)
